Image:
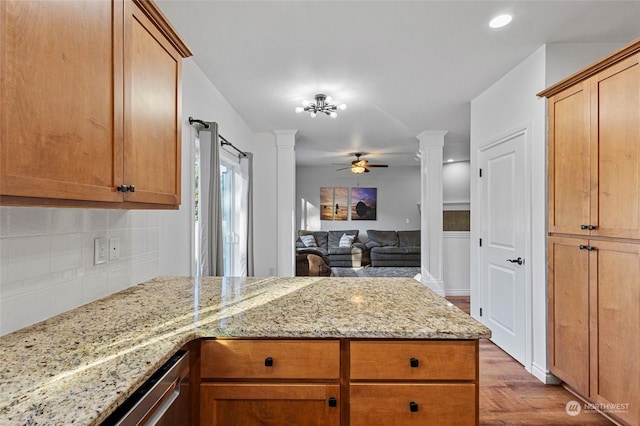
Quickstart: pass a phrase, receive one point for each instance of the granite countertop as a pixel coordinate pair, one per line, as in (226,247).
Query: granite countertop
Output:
(75,368)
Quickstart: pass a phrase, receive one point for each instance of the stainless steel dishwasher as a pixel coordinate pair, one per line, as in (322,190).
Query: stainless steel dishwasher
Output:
(162,400)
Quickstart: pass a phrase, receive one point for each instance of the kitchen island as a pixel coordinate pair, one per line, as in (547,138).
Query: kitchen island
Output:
(77,367)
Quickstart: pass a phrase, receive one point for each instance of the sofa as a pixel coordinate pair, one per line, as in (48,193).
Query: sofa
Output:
(345,252)
(393,248)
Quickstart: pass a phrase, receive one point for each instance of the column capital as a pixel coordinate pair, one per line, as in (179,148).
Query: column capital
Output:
(432,137)
(285,137)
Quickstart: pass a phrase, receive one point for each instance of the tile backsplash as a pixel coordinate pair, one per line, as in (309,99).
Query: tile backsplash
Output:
(46,259)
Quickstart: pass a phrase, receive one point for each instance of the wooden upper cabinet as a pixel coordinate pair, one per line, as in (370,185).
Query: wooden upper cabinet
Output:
(569,161)
(90,102)
(594,154)
(61,112)
(615,169)
(152,111)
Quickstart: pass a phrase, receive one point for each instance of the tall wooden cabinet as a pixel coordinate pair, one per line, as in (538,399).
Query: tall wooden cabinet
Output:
(594,232)
(90,104)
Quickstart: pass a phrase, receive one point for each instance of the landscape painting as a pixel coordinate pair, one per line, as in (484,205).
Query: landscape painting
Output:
(334,203)
(363,203)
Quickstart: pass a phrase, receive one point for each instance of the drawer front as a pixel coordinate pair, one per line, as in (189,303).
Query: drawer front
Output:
(413,404)
(413,360)
(243,404)
(270,359)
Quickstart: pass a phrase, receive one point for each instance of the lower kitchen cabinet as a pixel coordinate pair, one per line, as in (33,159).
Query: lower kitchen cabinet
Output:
(329,382)
(412,404)
(594,321)
(242,404)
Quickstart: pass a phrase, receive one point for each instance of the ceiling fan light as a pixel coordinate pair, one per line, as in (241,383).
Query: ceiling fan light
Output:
(313,114)
(342,107)
(333,114)
(357,169)
(299,110)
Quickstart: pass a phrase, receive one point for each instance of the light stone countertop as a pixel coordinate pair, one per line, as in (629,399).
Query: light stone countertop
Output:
(77,367)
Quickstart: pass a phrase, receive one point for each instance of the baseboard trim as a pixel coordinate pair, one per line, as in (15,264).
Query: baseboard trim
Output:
(543,375)
(458,292)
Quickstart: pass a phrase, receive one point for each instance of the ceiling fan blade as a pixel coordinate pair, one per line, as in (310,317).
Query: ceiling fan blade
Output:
(377,165)
(344,168)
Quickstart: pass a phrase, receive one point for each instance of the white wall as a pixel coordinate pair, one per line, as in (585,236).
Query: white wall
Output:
(398,197)
(455,262)
(456,189)
(505,106)
(265,241)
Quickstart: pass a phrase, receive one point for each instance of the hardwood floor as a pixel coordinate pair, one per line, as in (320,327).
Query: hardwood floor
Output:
(509,395)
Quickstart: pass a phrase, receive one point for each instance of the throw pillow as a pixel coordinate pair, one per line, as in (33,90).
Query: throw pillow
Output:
(308,241)
(346,240)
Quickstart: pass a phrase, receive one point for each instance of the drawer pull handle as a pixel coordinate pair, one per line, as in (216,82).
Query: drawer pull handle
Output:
(333,402)
(414,362)
(268,362)
(413,407)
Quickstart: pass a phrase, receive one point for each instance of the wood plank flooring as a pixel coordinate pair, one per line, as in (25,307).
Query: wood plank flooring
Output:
(509,395)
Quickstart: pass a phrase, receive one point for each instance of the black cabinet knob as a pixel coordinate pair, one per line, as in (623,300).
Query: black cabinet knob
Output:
(413,407)
(582,247)
(132,188)
(268,362)
(592,227)
(414,362)
(333,402)
(590,248)
(122,188)
(583,226)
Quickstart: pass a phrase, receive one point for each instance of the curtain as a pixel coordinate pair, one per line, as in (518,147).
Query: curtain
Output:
(210,204)
(246,164)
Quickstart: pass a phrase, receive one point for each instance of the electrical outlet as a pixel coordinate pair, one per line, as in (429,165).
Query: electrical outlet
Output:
(114,248)
(100,251)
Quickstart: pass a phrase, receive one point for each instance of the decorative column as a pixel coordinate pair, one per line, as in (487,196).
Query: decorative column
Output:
(431,145)
(286,202)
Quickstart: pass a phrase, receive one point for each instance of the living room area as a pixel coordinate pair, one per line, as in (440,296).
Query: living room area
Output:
(386,241)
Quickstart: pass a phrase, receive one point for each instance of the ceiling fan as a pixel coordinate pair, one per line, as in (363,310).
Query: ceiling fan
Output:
(361,166)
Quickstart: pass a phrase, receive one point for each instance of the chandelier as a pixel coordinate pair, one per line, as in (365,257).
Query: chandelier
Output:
(321,104)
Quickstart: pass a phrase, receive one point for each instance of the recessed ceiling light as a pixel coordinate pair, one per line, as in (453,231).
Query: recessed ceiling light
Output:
(500,21)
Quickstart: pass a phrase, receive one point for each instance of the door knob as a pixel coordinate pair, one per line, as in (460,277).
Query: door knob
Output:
(519,261)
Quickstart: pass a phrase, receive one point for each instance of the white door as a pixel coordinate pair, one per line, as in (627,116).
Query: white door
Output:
(504,239)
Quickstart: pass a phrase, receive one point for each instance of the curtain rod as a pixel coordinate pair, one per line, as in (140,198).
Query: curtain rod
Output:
(223,141)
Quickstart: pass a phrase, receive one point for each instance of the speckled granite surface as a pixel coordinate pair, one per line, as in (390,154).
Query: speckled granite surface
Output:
(75,368)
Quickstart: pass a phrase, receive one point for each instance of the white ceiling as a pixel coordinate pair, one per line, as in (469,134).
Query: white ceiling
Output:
(401,67)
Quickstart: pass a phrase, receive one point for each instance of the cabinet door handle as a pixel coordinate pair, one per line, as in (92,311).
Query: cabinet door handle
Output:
(590,248)
(414,362)
(333,402)
(592,227)
(583,227)
(122,188)
(268,362)
(582,247)
(132,188)
(413,407)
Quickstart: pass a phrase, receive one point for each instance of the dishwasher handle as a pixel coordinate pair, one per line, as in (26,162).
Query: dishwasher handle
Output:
(165,403)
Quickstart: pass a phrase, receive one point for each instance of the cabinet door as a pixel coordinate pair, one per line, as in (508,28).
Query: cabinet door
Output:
(60,120)
(569,311)
(269,404)
(569,161)
(412,404)
(615,316)
(152,147)
(615,199)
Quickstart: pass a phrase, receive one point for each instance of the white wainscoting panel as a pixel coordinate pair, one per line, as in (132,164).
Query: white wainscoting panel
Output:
(455,257)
